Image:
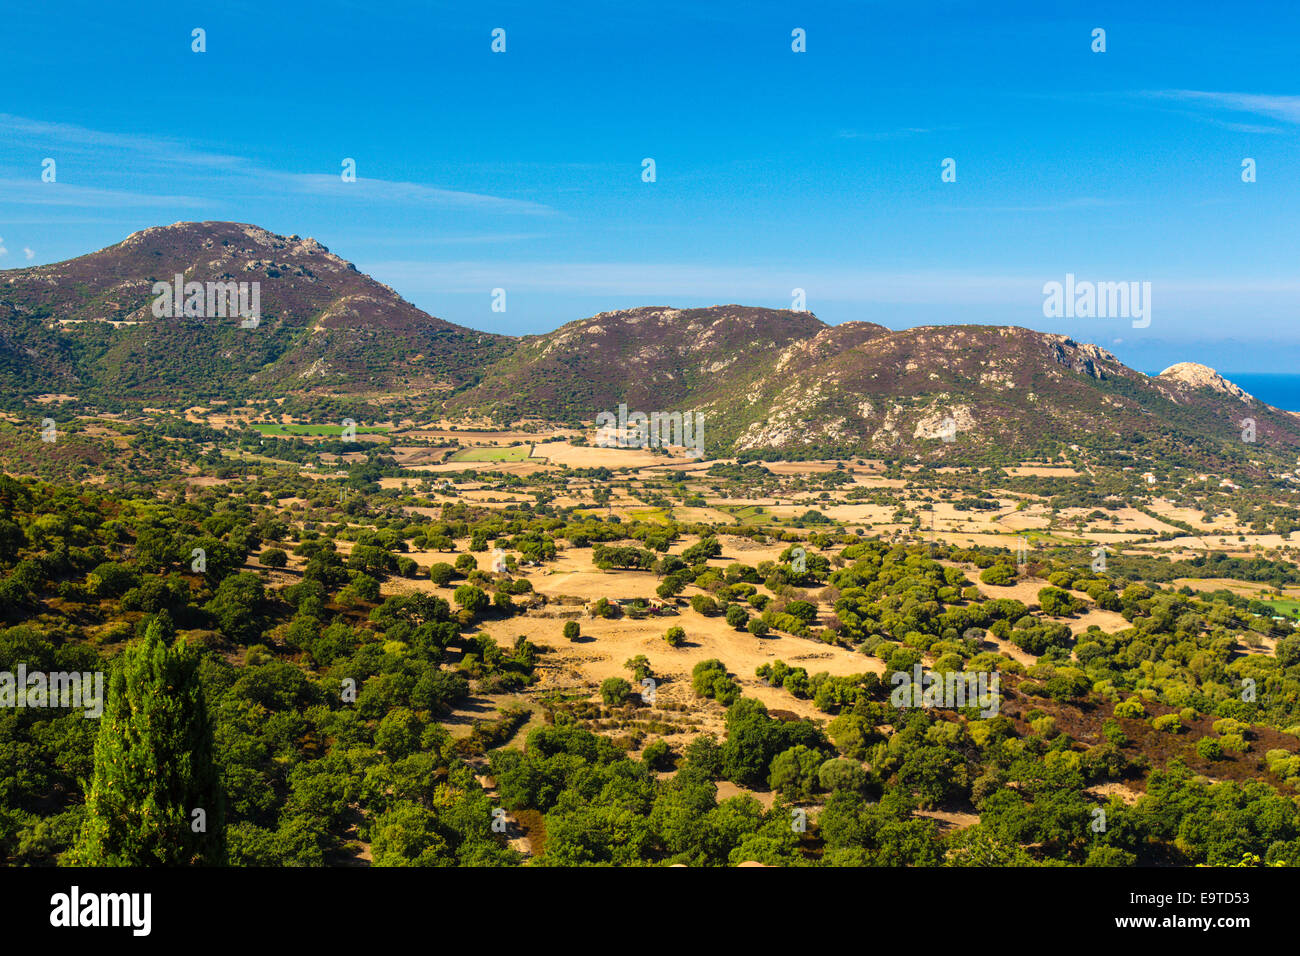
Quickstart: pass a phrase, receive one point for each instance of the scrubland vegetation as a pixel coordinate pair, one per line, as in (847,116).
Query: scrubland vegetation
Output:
(497,667)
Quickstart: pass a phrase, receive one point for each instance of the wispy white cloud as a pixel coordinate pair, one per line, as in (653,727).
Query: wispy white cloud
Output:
(383,190)
(456,239)
(882,135)
(33,192)
(53,138)
(1241,127)
(43,219)
(1285,108)
(1065,205)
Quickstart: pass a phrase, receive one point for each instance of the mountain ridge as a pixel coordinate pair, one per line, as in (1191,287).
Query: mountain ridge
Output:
(323,323)
(767,380)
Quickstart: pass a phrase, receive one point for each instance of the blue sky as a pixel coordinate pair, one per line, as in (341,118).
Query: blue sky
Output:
(775,169)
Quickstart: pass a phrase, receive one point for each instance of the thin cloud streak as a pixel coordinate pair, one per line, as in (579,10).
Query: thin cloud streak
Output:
(382,190)
(63,135)
(884,136)
(53,137)
(1278,107)
(32,192)
(1083,202)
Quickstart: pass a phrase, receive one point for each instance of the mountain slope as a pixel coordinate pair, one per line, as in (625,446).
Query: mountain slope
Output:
(769,382)
(991,389)
(785,384)
(652,358)
(324,326)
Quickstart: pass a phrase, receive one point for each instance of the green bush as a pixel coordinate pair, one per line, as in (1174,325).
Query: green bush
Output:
(999,574)
(1234,742)
(1167,723)
(1209,748)
(615,691)
(1131,708)
(1044,726)
(839,773)
(710,679)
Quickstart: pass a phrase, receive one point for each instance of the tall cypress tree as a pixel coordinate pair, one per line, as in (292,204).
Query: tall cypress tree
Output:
(153,765)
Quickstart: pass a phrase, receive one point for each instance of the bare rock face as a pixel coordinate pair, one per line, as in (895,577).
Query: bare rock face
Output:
(944,423)
(1084,358)
(1195,375)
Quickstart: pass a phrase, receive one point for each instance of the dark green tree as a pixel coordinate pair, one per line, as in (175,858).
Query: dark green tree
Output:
(154,769)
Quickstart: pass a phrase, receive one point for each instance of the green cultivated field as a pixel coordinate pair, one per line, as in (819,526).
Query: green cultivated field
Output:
(749,514)
(1286,608)
(332,431)
(511,453)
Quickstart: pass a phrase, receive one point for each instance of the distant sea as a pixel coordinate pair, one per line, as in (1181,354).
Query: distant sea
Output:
(1279,389)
